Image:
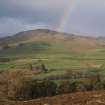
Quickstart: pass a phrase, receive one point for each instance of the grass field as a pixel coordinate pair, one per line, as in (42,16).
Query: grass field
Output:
(57,52)
(60,62)
(53,57)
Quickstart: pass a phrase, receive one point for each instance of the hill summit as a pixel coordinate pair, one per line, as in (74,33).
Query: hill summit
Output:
(41,40)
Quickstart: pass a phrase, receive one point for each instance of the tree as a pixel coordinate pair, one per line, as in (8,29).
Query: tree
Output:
(73,86)
(5,46)
(43,67)
(21,44)
(95,81)
(50,88)
(30,67)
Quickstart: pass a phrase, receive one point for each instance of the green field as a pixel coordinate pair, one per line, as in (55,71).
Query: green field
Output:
(61,61)
(59,53)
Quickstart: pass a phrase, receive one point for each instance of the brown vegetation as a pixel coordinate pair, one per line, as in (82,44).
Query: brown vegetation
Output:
(80,98)
(19,86)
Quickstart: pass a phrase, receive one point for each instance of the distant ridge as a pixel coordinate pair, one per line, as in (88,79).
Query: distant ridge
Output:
(58,41)
(25,35)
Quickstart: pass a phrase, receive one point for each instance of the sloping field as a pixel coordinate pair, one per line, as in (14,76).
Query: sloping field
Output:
(56,50)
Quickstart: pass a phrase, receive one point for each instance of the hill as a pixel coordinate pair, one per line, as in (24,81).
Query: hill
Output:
(50,40)
(56,50)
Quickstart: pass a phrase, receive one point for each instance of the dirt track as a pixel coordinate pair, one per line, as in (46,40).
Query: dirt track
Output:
(84,98)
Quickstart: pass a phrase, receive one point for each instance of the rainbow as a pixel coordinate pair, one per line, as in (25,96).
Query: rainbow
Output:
(71,6)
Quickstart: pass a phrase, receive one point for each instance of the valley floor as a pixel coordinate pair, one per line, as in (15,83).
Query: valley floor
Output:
(80,98)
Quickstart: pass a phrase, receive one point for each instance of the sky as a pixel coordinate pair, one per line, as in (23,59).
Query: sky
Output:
(85,17)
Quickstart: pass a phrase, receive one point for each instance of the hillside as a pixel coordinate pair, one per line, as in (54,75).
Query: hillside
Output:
(56,50)
(51,41)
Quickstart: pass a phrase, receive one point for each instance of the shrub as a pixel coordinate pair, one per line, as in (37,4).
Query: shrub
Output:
(64,87)
(98,86)
(21,87)
(88,85)
(24,92)
(50,88)
(21,44)
(4,60)
(3,85)
(81,86)
(95,82)
(44,88)
(30,67)
(18,85)
(5,46)
(43,68)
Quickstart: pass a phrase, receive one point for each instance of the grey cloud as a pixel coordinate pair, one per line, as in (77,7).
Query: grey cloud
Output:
(17,15)
(88,18)
(29,12)
(30,8)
